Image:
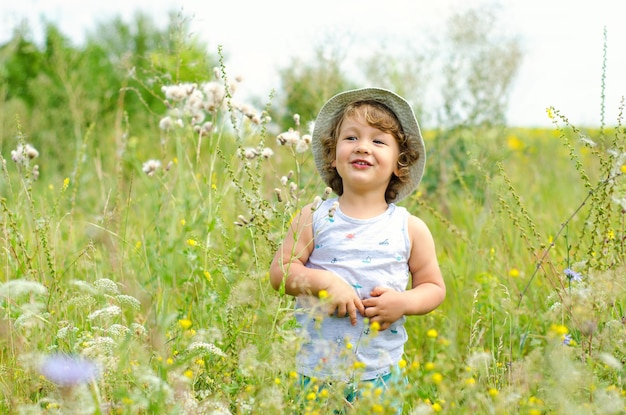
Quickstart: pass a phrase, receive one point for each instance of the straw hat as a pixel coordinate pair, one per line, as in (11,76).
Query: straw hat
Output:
(397,104)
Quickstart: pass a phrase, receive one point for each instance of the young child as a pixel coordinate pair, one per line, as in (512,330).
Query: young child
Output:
(349,259)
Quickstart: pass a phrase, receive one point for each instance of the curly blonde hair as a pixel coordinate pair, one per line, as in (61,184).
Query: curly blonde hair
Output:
(378,116)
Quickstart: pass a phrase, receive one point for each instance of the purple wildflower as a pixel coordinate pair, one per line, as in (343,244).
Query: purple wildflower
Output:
(573,275)
(567,339)
(68,370)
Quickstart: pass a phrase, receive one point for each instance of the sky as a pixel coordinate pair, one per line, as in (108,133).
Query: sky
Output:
(562,40)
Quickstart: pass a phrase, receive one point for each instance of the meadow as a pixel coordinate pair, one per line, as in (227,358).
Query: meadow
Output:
(145,259)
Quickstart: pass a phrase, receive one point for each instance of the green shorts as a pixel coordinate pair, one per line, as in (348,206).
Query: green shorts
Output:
(354,390)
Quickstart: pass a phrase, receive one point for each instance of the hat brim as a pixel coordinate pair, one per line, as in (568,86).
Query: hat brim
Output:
(400,107)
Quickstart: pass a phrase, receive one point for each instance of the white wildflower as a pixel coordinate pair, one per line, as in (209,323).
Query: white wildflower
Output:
(176,92)
(138,329)
(587,141)
(250,153)
(82,301)
(83,286)
(611,361)
(166,123)
(206,347)
(99,345)
(106,286)
(480,360)
(110,311)
(302,146)
(23,153)
(20,287)
(63,332)
(128,300)
(151,166)
(267,152)
(290,137)
(117,330)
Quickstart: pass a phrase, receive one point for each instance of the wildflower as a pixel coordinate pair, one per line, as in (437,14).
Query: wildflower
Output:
(290,137)
(514,143)
(105,312)
(573,275)
(493,392)
(432,333)
(437,378)
(437,407)
(267,153)
(106,286)
(206,347)
(151,166)
(322,294)
(567,339)
(166,123)
(19,287)
(250,153)
(185,323)
(188,374)
(559,329)
(278,194)
(587,141)
(68,370)
(192,242)
(514,272)
(24,153)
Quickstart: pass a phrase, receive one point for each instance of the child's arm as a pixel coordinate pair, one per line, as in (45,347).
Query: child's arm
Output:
(288,267)
(428,288)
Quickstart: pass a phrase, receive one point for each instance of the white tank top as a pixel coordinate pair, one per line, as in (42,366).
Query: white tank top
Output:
(365,253)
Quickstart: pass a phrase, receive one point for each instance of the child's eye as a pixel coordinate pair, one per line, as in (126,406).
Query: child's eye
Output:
(350,138)
(379,142)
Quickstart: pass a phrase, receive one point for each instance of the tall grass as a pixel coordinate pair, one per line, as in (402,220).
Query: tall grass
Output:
(154,268)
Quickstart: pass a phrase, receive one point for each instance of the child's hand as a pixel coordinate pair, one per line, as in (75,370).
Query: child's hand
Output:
(385,306)
(343,300)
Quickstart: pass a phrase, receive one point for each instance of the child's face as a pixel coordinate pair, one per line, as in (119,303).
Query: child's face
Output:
(365,156)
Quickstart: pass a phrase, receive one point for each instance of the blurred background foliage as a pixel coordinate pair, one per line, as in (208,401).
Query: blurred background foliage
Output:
(58,90)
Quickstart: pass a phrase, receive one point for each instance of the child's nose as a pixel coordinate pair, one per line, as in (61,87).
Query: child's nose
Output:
(362,148)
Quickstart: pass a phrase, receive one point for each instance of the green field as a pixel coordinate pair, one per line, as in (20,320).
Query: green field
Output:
(145,250)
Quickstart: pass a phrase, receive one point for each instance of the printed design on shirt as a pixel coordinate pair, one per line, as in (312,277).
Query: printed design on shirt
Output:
(350,235)
(384,243)
(367,260)
(334,260)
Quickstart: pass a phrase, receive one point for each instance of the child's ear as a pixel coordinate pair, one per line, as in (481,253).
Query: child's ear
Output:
(333,164)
